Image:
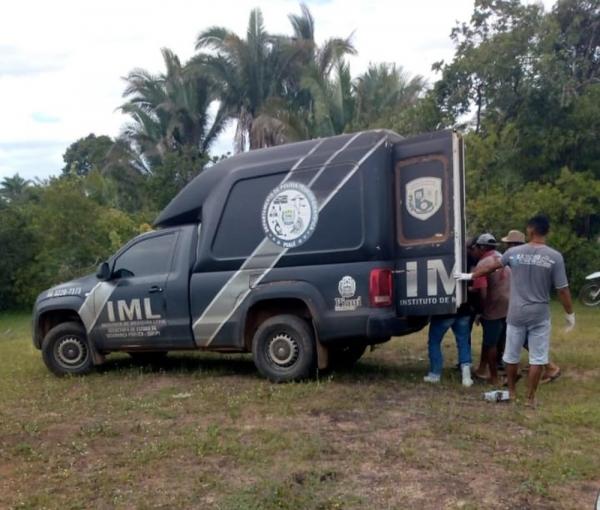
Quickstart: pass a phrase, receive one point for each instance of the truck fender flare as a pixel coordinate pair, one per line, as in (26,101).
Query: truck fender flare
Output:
(65,304)
(69,305)
(299,290)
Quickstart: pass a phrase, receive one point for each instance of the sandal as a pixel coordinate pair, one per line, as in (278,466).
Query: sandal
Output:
(480,378)
(551,378)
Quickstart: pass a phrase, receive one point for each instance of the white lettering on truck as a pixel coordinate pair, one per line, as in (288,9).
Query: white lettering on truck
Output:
(436,268)
(134,318)
(436,271)
(131,311)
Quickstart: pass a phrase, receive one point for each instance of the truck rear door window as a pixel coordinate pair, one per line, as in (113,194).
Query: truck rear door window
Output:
(422,200)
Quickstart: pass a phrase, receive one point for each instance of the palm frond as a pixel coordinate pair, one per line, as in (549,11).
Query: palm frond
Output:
(303,24)
(213,37)
(332,51)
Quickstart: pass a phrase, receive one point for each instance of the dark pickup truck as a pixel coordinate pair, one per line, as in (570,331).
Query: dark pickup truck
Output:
(303,254)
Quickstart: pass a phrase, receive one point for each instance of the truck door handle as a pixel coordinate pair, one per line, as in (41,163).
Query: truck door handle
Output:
(155,289)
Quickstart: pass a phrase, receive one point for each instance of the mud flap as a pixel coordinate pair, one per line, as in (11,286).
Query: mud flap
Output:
(97,357)
(322,355)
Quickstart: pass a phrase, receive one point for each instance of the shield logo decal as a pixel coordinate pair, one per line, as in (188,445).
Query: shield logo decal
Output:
(424,197)
(290,214)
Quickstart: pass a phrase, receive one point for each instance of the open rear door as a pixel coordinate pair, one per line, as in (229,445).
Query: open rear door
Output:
(430,223)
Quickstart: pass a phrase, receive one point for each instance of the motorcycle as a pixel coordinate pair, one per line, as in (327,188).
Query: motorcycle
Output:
(590,292)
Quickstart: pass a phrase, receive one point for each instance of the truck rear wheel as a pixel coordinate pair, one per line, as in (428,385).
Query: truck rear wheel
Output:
(65,350)
(284,349)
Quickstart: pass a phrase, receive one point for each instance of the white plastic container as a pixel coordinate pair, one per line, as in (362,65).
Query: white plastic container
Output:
(496,396)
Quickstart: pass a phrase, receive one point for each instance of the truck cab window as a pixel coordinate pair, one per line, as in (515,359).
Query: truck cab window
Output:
(147,257)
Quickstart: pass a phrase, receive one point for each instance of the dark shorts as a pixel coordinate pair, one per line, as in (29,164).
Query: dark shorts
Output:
(493,331)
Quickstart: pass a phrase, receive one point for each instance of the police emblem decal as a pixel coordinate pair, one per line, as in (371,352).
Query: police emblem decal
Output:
(347,287)
(424,197)
(347,302)
(290,214)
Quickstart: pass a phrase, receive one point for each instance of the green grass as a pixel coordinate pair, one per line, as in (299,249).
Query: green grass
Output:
(205,431)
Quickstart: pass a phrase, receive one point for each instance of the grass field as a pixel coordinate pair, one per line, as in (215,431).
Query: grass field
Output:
(206,432)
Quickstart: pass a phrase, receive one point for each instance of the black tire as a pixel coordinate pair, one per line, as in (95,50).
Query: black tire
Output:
(66,350)
(284,349)
(148,358)
(587,293)
(346,356)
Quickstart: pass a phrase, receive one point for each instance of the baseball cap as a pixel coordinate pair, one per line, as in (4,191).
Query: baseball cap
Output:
(486,240)
(514,236)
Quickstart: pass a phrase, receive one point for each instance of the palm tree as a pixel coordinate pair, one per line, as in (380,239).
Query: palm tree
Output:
(250,72)
(384,91)
(171,111)
(318,87)
(13,188)
(325,82)
(332,102)
(268,81)
(323,58)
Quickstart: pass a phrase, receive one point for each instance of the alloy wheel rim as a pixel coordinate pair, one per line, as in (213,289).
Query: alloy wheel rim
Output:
(283,350)
(71,352)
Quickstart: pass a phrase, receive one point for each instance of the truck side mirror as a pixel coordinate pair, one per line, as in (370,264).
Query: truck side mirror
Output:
(103,272)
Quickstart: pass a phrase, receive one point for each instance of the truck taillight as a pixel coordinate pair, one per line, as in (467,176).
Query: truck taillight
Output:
(380,287)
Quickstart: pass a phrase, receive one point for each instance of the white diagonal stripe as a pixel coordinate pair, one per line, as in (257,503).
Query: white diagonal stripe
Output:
(94,303)
(330,159)
(351,173)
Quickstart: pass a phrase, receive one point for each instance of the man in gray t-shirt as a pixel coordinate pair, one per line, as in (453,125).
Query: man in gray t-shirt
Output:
(535,270)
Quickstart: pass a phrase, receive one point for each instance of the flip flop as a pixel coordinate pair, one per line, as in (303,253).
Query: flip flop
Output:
(552,378)
(480,378)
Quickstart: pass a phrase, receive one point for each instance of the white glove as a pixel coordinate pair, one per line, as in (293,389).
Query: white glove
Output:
(570,322)
(463,276)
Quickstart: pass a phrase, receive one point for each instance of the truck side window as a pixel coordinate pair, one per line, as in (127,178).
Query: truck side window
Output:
(148,257)
(240,228)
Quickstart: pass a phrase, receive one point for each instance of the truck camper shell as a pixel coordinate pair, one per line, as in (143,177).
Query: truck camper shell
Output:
(186,206)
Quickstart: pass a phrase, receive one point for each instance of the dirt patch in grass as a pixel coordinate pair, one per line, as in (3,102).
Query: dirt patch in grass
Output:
(583,375)
(580,495)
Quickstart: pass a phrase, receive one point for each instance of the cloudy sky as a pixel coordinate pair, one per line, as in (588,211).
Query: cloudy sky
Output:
(62,62)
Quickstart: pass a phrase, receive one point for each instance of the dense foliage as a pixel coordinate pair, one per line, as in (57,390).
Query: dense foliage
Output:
(523,84)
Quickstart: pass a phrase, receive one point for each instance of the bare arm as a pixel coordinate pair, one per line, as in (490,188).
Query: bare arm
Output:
(564,295)
(487,269)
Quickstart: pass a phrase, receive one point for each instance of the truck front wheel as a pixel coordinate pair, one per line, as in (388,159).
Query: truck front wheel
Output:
(66,350)
(284,349)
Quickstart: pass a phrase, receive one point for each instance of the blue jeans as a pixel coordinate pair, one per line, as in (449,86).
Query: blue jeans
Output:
(437,329)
